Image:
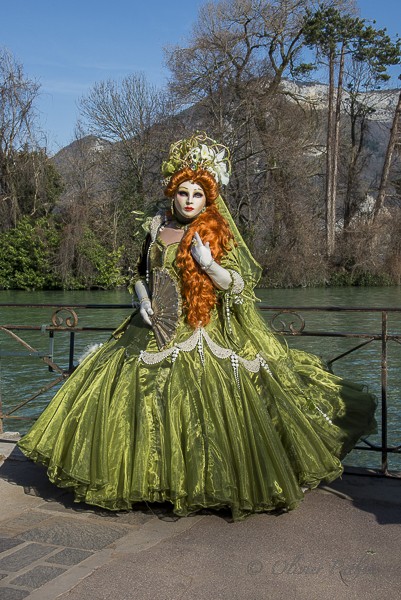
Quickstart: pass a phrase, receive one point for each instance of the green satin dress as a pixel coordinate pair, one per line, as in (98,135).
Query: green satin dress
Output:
(223,416)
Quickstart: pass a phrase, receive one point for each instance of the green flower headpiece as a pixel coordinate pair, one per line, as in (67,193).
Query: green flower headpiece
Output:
(198,152)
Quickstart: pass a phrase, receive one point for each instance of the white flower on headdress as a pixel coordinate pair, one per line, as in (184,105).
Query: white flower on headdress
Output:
(198,152)
(221,173)
(204,151)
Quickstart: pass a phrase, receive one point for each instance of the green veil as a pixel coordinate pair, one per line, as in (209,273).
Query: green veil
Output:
(251,269)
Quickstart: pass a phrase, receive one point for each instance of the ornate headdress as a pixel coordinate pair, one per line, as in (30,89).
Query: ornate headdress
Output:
(198,152)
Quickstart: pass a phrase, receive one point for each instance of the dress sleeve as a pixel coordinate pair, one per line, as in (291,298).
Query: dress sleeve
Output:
(240,296)
(139,270)
(241,288)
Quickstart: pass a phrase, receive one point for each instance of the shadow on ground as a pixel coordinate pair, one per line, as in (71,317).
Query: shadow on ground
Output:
(379,496)
(32,477)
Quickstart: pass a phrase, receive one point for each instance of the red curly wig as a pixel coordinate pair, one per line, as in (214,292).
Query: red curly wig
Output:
(198,291)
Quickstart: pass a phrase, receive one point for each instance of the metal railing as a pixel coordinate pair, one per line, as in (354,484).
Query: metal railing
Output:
(297,327)
(286,321)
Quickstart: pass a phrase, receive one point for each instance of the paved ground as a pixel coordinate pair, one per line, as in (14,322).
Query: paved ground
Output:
(344,542)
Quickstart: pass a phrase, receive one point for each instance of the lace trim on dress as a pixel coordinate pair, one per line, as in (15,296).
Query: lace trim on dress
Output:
(233,294)
(237,282)
(197,340)
(155,225)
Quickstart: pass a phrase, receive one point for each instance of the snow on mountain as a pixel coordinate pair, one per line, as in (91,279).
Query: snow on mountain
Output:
(383,102)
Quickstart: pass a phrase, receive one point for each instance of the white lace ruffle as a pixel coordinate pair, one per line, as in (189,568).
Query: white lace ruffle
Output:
(233,294)
(237,282)
(197,341)
(155,225)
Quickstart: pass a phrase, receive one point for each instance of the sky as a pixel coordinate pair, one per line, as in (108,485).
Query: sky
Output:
(68,45)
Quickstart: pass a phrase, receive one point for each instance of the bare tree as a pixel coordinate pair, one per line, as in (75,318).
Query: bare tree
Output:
(393,140)
(234,66)
(17,117)
(125,113)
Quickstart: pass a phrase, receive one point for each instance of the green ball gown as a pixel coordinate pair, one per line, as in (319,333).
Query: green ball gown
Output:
(222,416)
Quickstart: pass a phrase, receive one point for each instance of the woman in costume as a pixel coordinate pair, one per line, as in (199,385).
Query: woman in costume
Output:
(194,400)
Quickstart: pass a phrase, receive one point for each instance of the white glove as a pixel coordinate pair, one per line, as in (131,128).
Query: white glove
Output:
(145,309)
(202,254)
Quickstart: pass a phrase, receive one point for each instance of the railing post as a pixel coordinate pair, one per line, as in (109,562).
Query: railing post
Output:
(1,415)
(69,326)
(71,353)
(384,393)
(51,348)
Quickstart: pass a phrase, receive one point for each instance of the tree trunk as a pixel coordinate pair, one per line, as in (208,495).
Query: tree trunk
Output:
(357,146)
(330,214)
(336,144)
(394,134)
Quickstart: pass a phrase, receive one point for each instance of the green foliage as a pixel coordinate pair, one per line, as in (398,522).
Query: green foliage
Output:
(98,266)
(377,49)
(27,256)
(303,70)
(32,184)
(53,184)
(327,29)
(359,278)
(28,259)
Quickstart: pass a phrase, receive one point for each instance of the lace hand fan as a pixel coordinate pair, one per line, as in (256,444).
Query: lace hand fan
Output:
(166,307)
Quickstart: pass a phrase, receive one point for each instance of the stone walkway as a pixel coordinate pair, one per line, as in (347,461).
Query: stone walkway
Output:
(343,542)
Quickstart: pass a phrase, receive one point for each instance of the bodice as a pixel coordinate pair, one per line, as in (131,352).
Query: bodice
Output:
(163,255)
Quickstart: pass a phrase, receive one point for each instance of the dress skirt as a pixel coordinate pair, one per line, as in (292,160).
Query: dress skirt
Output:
(223,416)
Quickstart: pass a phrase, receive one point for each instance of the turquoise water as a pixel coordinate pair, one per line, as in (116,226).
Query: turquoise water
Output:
(22,373)
(363,365)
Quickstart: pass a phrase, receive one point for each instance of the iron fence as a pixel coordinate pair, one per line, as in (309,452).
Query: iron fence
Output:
(285,321)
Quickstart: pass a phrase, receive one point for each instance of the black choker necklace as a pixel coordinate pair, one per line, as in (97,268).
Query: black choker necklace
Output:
(182,222)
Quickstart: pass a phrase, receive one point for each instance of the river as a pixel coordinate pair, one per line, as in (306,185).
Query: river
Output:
(22,374)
